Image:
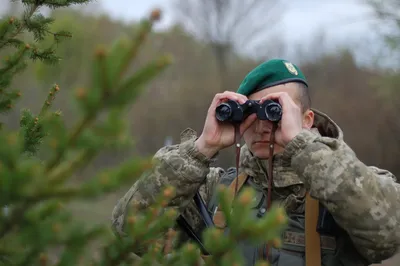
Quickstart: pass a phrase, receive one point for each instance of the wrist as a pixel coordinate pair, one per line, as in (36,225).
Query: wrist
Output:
(207,150)
(290,137)
(297,144)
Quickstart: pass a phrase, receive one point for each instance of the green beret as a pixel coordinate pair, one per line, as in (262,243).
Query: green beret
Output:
(271,73)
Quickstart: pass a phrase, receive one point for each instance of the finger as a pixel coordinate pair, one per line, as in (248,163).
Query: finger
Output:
(227,95)
(278,137)
(282,97)
(247,123)
(242,97)
(272,96)
(230,95)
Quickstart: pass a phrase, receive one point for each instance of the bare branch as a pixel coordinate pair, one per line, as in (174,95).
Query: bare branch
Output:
(228,25)
(388,9)
(227,21)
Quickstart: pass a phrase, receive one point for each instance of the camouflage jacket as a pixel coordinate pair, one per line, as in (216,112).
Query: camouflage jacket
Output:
(362,199)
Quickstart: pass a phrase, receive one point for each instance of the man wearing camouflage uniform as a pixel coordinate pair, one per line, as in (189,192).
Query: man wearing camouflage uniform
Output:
(309,156)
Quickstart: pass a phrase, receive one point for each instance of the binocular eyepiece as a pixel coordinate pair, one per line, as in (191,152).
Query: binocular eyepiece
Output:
(232,111)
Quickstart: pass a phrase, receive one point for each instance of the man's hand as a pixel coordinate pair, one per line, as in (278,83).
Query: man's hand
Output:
(291,123)
(217,136)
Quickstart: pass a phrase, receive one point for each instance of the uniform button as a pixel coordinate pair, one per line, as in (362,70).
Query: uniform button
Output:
(261,212)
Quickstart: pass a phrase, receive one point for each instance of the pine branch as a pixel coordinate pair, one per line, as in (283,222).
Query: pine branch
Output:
(16,25)
(10,30)
(31,127)
(63,3)
(34,189)
(102,97)
(71,140)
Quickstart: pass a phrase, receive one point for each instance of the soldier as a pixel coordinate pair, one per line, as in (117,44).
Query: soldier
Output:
(311,164)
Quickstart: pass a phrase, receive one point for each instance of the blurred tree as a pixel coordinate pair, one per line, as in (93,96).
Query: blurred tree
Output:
(229,25)
(388,13)
(34,189)
(386,9)
(385,84)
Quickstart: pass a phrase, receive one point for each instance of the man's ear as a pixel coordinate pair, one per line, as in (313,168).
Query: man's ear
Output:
(308,119)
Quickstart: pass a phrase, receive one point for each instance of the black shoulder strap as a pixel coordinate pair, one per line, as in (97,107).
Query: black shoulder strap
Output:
(204,211)
(187,228)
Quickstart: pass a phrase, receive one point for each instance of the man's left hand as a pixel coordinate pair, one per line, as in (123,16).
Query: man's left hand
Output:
(291,123)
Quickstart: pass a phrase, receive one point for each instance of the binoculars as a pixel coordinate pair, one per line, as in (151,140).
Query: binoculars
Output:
(233,112)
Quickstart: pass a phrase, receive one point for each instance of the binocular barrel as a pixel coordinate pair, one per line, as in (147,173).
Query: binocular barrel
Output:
(232,111)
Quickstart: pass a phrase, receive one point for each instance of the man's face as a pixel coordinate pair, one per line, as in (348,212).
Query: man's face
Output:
(257,136)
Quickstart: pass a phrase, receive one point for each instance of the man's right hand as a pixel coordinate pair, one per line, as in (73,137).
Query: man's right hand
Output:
(216,135)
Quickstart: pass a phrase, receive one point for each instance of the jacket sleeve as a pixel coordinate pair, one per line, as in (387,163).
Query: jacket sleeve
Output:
(181,166)
(364,200)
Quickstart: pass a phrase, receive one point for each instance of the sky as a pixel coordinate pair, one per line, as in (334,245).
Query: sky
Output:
(340,20)
(301,19)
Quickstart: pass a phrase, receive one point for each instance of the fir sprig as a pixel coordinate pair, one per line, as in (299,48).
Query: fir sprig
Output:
(35,190)
(14,32)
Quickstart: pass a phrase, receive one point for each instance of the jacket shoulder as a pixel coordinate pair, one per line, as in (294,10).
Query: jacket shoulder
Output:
(383,173)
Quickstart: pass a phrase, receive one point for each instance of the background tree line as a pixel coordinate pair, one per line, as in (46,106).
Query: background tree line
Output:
(362,100)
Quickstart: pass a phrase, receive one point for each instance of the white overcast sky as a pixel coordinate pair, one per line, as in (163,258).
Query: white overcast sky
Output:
(340,20)
(301,19)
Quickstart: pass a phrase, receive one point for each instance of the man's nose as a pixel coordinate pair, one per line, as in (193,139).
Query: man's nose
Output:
(263,126)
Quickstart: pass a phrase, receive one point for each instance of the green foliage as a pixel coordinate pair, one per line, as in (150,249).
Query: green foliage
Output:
(35,226)
(35,24)
(150,226)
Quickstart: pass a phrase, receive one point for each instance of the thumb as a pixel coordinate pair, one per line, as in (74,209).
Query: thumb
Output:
(278,137)
(247,123)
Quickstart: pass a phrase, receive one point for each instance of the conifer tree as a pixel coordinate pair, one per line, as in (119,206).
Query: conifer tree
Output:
(34,189)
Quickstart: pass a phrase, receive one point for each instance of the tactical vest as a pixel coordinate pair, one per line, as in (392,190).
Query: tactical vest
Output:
(336,247)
